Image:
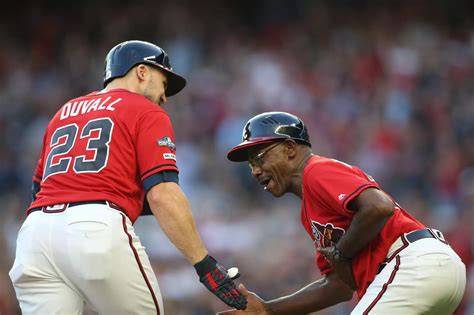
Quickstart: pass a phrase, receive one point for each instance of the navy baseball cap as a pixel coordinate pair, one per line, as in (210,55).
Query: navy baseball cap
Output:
(269,127)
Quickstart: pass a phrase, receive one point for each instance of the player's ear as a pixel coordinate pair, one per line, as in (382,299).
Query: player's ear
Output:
(141,71)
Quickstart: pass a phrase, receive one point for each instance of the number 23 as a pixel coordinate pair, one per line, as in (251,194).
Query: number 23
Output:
(81,165)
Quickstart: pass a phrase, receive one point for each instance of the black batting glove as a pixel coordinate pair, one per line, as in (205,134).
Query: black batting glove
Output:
(215,279)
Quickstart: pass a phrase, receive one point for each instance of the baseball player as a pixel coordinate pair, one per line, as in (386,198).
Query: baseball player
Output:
(105,157)
(364,240)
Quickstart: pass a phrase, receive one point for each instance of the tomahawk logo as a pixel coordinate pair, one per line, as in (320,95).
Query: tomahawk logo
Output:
(326,234)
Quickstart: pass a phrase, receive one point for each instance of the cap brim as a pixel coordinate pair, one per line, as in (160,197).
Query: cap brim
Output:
(175,83)
(239,153)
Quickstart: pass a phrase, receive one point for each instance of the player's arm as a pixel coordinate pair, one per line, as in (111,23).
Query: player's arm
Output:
(170,206)
(318,295)
(173,213)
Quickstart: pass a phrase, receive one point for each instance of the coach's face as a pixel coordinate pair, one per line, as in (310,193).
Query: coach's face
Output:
(269,165)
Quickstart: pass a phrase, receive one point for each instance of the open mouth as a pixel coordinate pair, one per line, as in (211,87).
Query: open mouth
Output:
(265,183)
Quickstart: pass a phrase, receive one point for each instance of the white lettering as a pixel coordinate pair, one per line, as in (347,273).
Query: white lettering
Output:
(94,105)
(75,108)
(101,106)
(113,103)
(65,111)
(85,106)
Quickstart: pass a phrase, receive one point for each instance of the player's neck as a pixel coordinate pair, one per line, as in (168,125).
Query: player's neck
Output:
(123,83)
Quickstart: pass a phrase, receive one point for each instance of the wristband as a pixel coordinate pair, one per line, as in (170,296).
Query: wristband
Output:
(207,264)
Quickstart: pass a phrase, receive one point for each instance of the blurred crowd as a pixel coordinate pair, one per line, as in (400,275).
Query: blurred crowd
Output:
(388,87)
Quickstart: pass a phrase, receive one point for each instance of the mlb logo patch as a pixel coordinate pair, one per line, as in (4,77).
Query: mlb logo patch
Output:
(169,156)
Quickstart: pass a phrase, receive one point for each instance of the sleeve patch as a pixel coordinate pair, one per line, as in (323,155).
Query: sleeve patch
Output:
(169,156)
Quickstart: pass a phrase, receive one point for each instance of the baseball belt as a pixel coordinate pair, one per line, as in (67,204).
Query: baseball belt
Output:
(413,237)
(62,207)
(419,234)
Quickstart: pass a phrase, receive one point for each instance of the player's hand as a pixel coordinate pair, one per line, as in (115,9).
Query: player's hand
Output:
(255,306)
(217,280)
(342,267)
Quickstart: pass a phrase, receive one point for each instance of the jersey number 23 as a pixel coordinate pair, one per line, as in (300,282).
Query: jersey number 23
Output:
(59,151)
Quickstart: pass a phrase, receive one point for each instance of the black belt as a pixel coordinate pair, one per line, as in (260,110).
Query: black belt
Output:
(73,204)
(415,236)
(419,234)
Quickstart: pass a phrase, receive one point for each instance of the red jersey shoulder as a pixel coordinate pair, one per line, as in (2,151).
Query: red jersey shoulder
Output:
(320,161)
(319,168)
(333,184)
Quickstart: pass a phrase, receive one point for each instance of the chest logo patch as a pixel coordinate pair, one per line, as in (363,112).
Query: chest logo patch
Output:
(326,234)
(166,142)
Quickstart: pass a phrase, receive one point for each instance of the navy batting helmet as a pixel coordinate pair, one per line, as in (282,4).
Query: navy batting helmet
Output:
(269,127)
(129,54)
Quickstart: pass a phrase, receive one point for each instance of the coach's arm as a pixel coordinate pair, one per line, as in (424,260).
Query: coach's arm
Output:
(318,295)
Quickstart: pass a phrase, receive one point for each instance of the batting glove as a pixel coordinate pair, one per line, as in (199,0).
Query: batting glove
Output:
(216,279)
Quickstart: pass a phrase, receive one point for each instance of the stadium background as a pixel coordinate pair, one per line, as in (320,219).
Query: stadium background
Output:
(388,87)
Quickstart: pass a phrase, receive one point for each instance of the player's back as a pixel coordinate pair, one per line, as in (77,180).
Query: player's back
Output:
(90,150)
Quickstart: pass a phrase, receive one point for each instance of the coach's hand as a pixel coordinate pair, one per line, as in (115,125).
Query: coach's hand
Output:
(216,279)
(342,266)
(255,306)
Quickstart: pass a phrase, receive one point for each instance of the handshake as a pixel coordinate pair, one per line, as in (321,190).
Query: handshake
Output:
(219,281)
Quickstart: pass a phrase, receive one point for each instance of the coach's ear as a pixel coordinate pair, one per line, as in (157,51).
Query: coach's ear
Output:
(290,148)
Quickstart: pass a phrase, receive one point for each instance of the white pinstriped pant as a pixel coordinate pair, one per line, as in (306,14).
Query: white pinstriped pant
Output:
(426,277)
(86,254)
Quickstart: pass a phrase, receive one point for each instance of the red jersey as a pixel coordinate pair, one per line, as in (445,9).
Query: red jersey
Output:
(328,187)
(103,146)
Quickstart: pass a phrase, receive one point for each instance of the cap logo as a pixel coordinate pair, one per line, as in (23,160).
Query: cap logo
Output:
(246,135)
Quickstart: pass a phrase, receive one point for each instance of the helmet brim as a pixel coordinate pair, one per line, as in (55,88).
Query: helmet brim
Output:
(175,84)
(239,153)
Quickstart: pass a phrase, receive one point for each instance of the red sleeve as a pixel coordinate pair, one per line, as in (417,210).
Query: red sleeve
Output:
(155,146)
(336,183)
